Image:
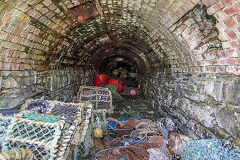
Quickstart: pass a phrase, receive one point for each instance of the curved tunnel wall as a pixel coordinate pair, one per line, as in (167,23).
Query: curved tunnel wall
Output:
(190,49)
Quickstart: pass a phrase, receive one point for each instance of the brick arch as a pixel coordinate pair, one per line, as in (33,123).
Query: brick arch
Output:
(32,32)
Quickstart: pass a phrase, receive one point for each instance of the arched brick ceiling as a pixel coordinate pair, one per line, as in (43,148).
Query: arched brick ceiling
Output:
(40,35)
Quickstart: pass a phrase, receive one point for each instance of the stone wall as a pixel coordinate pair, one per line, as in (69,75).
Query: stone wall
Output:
(17,86)
(205,105)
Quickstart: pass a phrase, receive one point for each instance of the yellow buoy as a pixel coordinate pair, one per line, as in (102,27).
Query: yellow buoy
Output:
(98,133)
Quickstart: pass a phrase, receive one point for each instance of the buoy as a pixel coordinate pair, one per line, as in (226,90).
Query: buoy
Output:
(133,92)
(98,133)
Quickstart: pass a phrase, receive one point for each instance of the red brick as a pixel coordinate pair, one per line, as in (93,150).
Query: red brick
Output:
(52,7)
(38,6)
(27,66)
(31,1)
(233,9)
(234,44)
(58,10)
(230,22)
(22,6)
(47,2)
(223,61)
(30,28)
(6,18)
(238,29)
(231,53)
(15,54)
(225,2)
(10,28)
(218,6)
(15,67)
(238,18)
(231,61)
(230,11)
(218,54)
(214,69)
(231,34)
(44,10)
(30,12)
(24,34)
(7,66)
(9,38)
(208,2)
(36,31)
(224,54)
(236,6)
(36,15)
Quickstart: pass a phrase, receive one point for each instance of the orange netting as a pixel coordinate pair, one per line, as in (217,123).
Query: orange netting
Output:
(134,152)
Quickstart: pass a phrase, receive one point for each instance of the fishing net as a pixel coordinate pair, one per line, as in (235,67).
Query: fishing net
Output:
(213,149)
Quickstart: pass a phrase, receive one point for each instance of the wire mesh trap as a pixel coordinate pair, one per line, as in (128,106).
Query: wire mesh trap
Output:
(43,135)
(50,129)
(5,119)
(70,112)
(101,98)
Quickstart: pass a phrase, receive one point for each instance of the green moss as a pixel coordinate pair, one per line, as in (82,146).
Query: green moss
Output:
(212,18)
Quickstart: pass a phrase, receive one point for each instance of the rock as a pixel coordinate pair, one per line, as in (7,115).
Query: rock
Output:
(236,93)
(228,92)
(10,83)
(5,73)
(214,90)
(226,119)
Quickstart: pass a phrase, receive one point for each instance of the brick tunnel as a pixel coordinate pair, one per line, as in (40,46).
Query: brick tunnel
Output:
(186,54)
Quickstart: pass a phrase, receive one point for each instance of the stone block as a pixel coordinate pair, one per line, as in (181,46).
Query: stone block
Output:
(10,83)
(236,93)
(226,119)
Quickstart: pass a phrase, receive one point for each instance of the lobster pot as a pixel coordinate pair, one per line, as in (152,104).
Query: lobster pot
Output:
(46,136)
(101,98)
(5,120)
(78,114)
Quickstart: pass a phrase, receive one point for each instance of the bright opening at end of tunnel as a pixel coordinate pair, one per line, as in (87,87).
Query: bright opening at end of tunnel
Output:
(120,79)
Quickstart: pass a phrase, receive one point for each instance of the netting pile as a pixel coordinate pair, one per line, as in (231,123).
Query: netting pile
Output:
(78,114)
(213,149)
(101,98)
